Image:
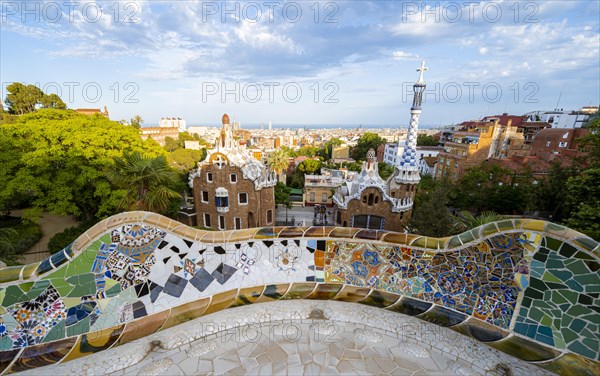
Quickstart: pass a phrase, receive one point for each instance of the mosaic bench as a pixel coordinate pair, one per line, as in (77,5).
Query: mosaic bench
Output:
(526,287)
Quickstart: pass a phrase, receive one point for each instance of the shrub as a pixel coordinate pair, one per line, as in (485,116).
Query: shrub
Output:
(68,236)
(24,235)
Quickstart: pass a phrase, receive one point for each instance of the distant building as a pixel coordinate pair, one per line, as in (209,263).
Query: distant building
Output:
(340,153)
(92,111)
(178,123)
(233,190)
(159,134)
(472,142)
(192,145)
(564,119)
(550,144)
(319,189)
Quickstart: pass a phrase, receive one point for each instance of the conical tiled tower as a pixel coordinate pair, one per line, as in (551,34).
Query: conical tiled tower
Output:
(408,170)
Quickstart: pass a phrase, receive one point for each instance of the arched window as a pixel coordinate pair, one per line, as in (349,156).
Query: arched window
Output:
(370,199)
(364,199)
(376,199)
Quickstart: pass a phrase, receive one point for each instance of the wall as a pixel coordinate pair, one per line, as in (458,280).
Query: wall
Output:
(527,288)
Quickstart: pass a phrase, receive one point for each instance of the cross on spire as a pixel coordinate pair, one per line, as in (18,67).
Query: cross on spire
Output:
(220,162)
(422,69)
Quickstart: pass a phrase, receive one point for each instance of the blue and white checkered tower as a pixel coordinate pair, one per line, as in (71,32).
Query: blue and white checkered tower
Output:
(408,165)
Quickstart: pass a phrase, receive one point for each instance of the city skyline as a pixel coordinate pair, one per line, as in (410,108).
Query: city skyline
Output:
(197,59)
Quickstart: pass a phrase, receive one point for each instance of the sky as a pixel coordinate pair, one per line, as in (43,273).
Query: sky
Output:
(305,62)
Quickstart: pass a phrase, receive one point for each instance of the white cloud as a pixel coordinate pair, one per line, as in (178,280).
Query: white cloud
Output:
(483,50)
(401,55)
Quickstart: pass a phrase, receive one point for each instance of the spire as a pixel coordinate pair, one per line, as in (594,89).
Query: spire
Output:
(409,170)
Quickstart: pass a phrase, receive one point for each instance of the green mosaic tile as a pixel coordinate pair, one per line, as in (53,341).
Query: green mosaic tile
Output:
(13,295)
(578,267)
(56,332)
(37,288)
(567,250)
(61,285)
(85,284)
(580,348)
(454,242)
(489,229)
(553,244)
(466,237)
(586,243)
(549,277)
(81,327)
(10,273)
(505,225)
(82,263)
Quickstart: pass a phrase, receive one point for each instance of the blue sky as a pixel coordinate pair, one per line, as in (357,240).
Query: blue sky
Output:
(329,62)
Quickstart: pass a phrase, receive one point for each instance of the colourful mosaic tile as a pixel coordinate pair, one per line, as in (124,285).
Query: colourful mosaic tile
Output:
(533,294)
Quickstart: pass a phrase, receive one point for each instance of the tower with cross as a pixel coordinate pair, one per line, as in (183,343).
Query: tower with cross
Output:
(407,173)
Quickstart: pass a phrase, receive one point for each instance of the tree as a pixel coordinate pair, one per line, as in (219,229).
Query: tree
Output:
(430,215)
(385,170)
(327,150)
(8,252)
(309,166)
(56,161)
(278,161)
(186,159)
(22,99)
(146,180)
(584,197)
(53,101)
(137,121)
(591,143)
(426,140)
(282,194)
(367,141)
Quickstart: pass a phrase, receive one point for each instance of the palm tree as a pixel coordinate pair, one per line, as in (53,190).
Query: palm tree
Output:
(469,221)
(146,181)
(137,121)
(278,162)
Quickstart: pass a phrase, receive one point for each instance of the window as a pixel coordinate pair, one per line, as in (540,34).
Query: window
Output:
(222,199)
(269,216)
(324,197)
(376,199)
(548,143)
(233,178)
(206,220)
(364,200)
(312,196)
(204,196)
(209,177)
(566,135)
(237,223)
(370,199)
(221,222)
(562,144)
(243,198)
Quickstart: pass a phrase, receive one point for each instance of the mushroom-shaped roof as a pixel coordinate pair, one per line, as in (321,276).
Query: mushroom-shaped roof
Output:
(371,156)
(225,119)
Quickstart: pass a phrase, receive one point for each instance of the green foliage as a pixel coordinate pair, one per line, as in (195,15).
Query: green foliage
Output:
(367,141)
(186,159)
(591,143)
(56,161)
(136,122)
(426,140)
(309,166)
(16,237)
(68,236)
(146,180)
(470,221)
(278,161)
(385,170)
(22,99)
(327,150)
(584,197)
(282,194)
(431,216)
